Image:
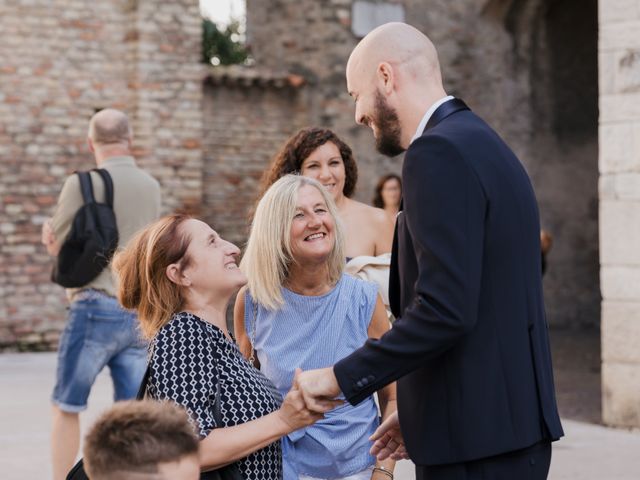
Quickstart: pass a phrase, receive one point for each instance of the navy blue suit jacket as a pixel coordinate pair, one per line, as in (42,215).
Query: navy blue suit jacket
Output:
(470,347)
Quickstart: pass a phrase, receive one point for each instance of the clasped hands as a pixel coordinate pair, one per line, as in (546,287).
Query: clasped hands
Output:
(319,390)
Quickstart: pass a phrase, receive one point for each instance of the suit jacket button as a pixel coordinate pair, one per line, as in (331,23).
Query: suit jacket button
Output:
(359,384)
(370,378)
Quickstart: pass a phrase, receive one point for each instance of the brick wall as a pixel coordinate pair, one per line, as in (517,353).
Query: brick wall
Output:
(62,60)
(245,125)
(619,58)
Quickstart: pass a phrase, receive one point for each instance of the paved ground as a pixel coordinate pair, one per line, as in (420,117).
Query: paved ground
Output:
(588,452)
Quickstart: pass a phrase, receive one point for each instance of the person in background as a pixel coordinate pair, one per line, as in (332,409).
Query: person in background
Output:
(388,195)
(179,275)
(300,310)
(99,332)
(142,440)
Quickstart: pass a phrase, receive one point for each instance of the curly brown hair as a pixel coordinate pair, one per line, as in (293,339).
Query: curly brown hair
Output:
(377,198)
(294,152)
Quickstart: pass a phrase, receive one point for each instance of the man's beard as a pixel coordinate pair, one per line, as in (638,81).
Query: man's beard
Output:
(388,125)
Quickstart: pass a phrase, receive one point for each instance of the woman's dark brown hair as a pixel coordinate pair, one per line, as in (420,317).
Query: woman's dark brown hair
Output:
(377,198)
(289,159)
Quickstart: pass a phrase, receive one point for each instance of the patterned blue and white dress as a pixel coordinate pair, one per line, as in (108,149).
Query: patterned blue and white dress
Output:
(183,370)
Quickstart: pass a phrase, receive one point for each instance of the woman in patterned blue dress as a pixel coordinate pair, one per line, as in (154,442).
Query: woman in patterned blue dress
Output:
(179,275)
(300,310)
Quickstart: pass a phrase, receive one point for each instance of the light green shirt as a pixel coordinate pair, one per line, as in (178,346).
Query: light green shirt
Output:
(136,203)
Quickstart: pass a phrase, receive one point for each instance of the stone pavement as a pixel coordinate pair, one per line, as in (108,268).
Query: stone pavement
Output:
(588,452)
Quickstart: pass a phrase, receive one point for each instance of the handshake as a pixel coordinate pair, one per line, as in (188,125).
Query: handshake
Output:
(315,392)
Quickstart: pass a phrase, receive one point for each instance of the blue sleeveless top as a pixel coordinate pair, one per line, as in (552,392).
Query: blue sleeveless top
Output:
(315,332)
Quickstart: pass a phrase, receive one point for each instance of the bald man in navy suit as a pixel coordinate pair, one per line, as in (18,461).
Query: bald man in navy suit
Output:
(470,347)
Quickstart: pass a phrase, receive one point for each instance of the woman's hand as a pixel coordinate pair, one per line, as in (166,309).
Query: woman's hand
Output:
(294,411)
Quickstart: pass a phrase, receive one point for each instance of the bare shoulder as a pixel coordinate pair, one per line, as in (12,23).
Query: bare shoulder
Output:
(374,215)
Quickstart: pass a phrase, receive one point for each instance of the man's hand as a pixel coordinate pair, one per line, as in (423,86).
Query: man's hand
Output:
(388,441)
(294,411)
(48,239)
(319,389)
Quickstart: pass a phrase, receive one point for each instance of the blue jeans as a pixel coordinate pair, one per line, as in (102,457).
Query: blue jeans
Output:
(99,332)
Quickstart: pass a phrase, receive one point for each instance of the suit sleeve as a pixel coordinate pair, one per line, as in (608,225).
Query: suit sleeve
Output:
(445,208)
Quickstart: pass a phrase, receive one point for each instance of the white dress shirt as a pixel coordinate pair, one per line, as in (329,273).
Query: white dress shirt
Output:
(427,116)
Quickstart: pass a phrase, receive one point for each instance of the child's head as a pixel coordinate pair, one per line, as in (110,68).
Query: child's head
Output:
(142,440)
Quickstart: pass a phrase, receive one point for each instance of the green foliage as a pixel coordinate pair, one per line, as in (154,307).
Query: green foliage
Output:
(223,46)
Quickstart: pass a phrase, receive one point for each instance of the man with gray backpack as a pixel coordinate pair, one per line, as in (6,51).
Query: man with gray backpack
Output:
(97,212)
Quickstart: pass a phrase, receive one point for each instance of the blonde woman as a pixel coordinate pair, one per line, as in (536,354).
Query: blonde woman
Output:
(300,310)
(179,275)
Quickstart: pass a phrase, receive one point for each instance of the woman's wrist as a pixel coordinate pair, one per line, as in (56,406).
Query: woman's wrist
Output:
(384,471)
(282,426)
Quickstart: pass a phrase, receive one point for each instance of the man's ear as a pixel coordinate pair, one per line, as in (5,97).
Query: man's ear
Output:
(174,274)
(385,77)
(92,149)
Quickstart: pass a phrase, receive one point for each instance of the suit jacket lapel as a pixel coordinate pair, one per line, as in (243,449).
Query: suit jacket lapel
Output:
(394,272)
(395,294)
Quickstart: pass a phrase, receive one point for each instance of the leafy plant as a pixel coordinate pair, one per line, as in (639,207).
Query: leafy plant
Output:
(223,46)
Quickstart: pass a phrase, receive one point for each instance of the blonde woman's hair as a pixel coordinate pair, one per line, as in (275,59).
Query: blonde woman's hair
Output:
(268,254)
(141,267)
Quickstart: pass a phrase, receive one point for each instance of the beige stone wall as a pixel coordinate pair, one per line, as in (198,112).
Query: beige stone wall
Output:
(61,61)
(619,61)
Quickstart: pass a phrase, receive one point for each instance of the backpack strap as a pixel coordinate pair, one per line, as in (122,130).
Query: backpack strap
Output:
(86,187)
(108,186)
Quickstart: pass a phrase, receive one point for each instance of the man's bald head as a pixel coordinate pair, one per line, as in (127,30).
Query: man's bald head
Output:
(400,45)
(393,75)
(109,127)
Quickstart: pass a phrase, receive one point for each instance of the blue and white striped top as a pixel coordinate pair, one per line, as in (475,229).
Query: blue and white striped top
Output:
(315,332)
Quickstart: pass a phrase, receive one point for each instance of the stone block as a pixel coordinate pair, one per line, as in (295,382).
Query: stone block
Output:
(619,233)
(619,147)
(619,107)
(620,330)
(619,35)
(611,11)
(621,394)
(620,283)
(620,186)
(627,70)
